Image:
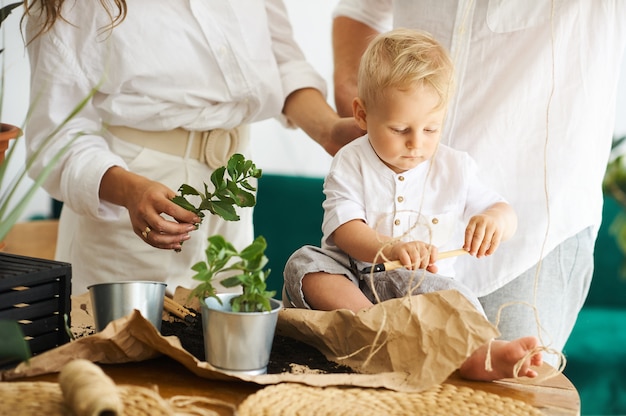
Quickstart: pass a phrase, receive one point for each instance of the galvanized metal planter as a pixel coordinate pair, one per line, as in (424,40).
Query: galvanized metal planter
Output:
(238,342)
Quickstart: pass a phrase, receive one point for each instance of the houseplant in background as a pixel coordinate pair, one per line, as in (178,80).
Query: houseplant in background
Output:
(43,332)
(15,347)
(614,185)
(12,204)
(238,327)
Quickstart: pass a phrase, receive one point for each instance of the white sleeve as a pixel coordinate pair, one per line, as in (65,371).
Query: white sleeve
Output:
(378,14)
(57,86)
(479,195)
(343,188)
(295,71)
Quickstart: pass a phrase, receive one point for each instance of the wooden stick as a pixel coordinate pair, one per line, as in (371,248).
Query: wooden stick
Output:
(391,265)
(452,253)
(177,309)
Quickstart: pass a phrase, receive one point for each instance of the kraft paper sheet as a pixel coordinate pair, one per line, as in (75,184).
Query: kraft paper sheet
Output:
(407,344)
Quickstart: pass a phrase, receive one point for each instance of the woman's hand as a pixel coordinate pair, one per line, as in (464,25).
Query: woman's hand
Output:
(146,202)
(343,132)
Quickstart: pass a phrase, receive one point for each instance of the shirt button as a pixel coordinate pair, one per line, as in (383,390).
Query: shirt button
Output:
(397,222)
(435,221)
(400,199)
(401,178)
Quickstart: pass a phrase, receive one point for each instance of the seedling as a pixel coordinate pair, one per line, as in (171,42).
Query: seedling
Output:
(228,193)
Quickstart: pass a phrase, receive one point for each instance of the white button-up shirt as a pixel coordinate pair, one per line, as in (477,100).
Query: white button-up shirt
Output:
(427,203)
(536,93)
(194,64)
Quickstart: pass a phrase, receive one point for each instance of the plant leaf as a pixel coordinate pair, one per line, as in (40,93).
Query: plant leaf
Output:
(231,281)
(6,10)
(217,178)
(188,190)
(180,200)
(224,210)
(13,345)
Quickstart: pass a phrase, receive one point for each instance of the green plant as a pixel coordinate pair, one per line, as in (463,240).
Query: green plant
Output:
(614,182)
(15,347)
(12,207)
(614,185)
(228,193)
(5,11)
(220,254)
(251,276)
(12,204)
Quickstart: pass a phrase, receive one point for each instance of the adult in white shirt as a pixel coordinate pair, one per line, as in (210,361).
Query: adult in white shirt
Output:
(535,108)
(162,70)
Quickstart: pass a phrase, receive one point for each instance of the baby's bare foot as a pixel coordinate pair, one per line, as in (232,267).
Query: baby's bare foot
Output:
(504,357)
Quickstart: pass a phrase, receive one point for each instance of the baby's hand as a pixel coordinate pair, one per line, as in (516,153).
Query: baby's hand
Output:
(415,255)
(483,235)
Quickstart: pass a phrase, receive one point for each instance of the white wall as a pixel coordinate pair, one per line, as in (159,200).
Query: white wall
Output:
(276,149)
(15,103)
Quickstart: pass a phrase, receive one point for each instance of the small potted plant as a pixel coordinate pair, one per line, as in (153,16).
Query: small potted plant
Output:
(238,327)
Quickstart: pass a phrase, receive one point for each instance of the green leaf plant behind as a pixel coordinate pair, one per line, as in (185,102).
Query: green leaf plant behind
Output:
(614,185)
(13,347)
(246,266)
(12,205)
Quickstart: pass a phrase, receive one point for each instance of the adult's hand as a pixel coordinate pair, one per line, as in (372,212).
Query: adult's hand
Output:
(343,132)
(307,108)
(145,201)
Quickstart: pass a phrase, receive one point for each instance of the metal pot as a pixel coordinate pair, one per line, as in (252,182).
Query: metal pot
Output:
(238,342)
(111,301)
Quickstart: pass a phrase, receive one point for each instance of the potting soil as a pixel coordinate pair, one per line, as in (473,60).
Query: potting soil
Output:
(287,356)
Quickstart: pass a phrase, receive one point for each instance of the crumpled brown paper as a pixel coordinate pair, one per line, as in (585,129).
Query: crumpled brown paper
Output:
(423,340)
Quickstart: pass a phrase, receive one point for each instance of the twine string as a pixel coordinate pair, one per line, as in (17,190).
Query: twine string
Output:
(380,341)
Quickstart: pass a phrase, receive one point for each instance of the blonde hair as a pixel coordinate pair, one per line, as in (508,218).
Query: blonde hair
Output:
(402,59)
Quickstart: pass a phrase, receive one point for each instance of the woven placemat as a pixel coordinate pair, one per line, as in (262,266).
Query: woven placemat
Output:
(290,399)
(45,398)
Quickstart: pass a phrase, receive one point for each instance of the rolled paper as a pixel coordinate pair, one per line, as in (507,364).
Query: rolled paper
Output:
(88,391)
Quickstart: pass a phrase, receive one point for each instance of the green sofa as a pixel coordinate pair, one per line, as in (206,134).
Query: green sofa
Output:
(289,215)
(596,350)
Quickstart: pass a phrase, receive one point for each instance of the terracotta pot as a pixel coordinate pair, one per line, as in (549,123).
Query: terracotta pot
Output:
(7,132)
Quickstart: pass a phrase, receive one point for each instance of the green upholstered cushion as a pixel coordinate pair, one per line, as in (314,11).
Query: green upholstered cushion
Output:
(596,360)
(289,215)
(596,349)
(608,287)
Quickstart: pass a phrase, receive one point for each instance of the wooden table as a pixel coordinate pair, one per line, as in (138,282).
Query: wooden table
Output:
(555,396)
